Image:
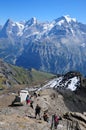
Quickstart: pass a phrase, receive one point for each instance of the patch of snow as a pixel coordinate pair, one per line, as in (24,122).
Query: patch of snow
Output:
(34,20)
(21,27)
(67,17)
(57,83)
(19,33)
(72,31)
(73,83)
(52,85)
(51,26)
(83,45)
(13,24)
(60,22)
(34,33)
(45,26)
(48,27)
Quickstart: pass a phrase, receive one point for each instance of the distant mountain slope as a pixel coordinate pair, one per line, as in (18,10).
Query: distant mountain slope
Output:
(12,75)
(58,46)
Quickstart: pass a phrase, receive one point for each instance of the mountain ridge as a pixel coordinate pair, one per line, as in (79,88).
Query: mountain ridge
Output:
(57,46)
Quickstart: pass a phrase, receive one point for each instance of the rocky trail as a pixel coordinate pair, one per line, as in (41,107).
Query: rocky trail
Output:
(22,117)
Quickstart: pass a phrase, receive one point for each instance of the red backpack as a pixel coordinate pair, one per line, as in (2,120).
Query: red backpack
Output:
(56,119)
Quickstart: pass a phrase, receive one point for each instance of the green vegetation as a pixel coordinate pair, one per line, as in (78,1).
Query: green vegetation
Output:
(38,76)
(11,75)
(24,76)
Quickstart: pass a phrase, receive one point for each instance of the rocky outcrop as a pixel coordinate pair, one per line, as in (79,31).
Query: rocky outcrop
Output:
(78,118)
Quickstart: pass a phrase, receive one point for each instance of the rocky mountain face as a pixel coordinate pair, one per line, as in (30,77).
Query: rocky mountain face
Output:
(58,46)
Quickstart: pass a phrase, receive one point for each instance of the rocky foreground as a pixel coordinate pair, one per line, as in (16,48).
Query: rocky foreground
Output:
(22,117)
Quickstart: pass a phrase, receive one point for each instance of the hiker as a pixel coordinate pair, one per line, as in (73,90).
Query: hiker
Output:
(37,111)
(55,121)
(27,99)
(45,117)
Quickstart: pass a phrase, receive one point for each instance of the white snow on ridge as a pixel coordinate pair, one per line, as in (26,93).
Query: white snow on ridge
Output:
(56,83)
(73,83)
(33,33)
(60,22)
(13,24)
(21,27)
(34,20)
(69,19)
(48,27)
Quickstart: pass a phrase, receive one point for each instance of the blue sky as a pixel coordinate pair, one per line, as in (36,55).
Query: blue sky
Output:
(43,10)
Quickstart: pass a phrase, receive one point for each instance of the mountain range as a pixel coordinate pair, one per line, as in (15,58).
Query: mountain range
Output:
(58,46)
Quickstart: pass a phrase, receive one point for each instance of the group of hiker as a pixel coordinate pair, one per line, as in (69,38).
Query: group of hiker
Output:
(55,117)
(29,99)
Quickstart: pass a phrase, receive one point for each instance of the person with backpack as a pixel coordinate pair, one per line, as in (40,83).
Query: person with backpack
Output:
(37,111)
(45,117)
(27,99)
(55,121)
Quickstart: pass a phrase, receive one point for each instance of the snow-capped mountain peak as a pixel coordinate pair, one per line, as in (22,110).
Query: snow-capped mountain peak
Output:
(61,42)
(69,19)
(63,19)
(32,21)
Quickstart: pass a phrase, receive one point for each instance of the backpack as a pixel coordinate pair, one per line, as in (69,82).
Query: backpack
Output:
(38,108)
(56,119)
